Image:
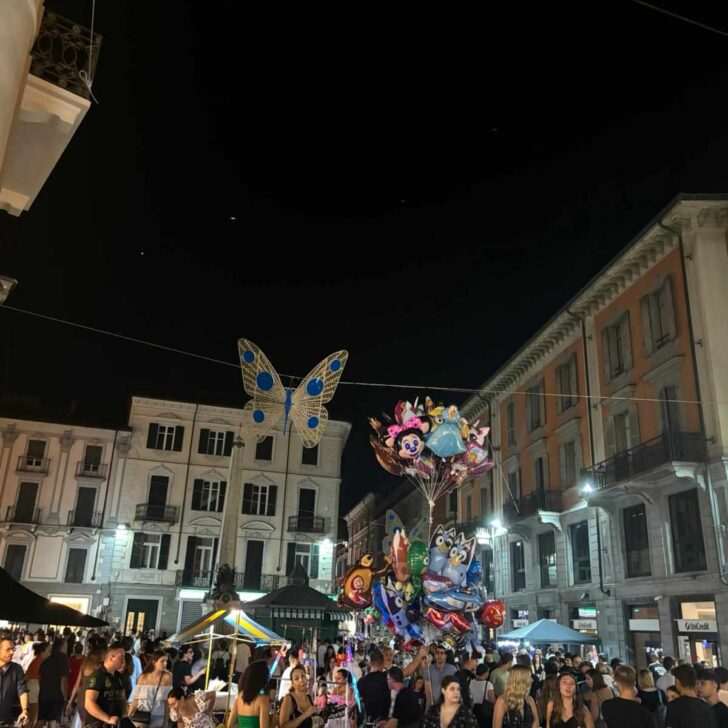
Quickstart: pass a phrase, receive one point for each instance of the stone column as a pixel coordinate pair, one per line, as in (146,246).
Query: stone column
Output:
(10,435)
(66,442)
(229,532)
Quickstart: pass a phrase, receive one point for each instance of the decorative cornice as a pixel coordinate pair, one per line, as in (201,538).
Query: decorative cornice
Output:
(570,429)
(622,396)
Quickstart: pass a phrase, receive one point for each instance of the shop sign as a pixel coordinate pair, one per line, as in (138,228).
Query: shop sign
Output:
(644,625)
(697,625)
(584,624)
(588,612)
(520,623)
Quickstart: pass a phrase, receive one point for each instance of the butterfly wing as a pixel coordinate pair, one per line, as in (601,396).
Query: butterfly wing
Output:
(262,383)
(392,522)
(308,414)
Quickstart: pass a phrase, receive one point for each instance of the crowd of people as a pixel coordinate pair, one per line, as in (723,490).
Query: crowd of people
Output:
(99,679)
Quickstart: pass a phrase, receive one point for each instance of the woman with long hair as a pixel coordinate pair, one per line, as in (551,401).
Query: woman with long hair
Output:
(192,711)
(150,692)
(297,709)
(598,692)
(544,696)
(449,711)
(252,706)
(567,710)
(516,708)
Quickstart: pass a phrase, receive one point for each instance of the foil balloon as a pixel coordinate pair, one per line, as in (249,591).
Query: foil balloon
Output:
(370,615)
(440,545)
(398,555)
(389,600)
(459,559)
(493,614)
(432,583)
(446,439)
(455,599)
(475,573)
(447,620)
(417,561)
(357,584)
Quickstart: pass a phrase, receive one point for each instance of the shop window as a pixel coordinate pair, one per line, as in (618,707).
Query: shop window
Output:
(580,556)
(687,535)
(636,542)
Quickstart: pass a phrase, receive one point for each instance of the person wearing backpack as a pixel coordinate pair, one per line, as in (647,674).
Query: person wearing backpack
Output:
(652,697)
(482,696)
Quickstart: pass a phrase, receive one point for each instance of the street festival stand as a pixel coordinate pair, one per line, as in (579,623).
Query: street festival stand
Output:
(23,606)
(546,632)
(210,627)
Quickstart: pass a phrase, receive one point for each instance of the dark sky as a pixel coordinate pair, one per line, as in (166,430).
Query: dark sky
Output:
(424,191)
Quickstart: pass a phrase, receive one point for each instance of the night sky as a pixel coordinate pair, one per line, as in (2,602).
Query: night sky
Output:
(425,192)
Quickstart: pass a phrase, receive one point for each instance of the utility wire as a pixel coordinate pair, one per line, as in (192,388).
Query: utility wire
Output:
(681,17)
(378,385)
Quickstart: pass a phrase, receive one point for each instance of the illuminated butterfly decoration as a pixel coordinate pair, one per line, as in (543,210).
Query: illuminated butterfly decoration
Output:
(271,401)
(393,523)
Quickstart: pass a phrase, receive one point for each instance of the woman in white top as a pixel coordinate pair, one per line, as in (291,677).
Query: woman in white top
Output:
(151,690)
(481,689)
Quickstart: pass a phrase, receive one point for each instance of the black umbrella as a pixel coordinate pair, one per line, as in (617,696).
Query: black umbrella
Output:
(19,604)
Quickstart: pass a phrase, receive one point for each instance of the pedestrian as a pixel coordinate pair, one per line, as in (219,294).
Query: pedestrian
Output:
(624,711)
(515,708)
(407,711)
(93,662)
(297,709)
(567,709)
(192,711)
(688,711)
(41,651)
(149,697)
(105,696)
(449,710)
(252,706)
(374,689)
(53,692)
(708,686)
(284,685)
(499,676)
(436,673)
(13,690)
(666,679)
(182,675)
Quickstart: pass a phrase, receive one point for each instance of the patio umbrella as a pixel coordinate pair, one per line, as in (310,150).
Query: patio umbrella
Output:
(546,632)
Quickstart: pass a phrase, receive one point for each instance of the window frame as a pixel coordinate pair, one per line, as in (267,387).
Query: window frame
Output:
(518,572)
(630,542)
(678,539)
(545,563)
(258,445)
(535,402)
(567,384)
(580,561)
(316,451)
(511,424)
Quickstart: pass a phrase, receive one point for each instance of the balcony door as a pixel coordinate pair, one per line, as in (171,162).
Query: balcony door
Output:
(253,566)
(157,496)
(25,507)
(85,503)
(306,508)
(14,560)
(35,453)
(92,459)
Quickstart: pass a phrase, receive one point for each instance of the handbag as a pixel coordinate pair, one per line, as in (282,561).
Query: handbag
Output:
(144,717)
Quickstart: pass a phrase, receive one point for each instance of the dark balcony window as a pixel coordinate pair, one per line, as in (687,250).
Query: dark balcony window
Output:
(264,449)
(580,555)
(518,566)
(32,464)
(547,559)
(156,513)
(310,455)
(14,560)
(687,534)
(636,542)
(75,566)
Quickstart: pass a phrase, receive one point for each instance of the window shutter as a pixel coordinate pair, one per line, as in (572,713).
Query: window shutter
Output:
(573,378)
(179,433)
(529,416)
(152,436)
(190,553)
(197,495)
(646,325)
(669,308)
(136,551)
(562,466)
(542,403)
(272,493)
(221,499)
(314,561)
(611,438)
(213,563)
(164,551)
(559,391)
(290,558)
(634,428)
(626,342)
(248,498)
(204,440)
(605,355)
(229,437)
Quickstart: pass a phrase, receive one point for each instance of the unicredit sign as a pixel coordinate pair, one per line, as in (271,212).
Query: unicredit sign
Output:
(697,625)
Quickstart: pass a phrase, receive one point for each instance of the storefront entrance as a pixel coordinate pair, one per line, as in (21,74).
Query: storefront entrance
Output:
(644,634)
(697,632)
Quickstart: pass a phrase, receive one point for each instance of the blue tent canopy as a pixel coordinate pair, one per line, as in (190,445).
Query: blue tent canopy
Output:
(546,632)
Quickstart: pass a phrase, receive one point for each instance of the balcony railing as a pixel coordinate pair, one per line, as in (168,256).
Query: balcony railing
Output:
(91,470)
(155,513)
(260,582)
(306,524)
(84,519)
(197,579)
(30,464)
(61,53)
(20,514)
(528,505)
(470,527)
(668,447)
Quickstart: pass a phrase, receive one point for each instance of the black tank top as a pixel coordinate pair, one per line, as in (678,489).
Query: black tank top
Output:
(295,712)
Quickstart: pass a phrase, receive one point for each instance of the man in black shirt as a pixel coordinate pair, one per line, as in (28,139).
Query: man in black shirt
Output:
(182,676)
(105,700)
(408,710)
(374,689)
(13,689)
(465,674)
(623,711)
(688,711)
(53,684)
(708,686)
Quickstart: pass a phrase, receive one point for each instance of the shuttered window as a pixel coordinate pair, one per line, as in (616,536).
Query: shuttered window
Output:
(208,495)
(165,437)
(259,500)
(566,384)
(658,317)
(617,348)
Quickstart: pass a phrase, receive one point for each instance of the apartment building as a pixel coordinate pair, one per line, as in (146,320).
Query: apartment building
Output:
(126,523)
(610,432)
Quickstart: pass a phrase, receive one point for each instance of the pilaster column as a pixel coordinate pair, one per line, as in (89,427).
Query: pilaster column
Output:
(9,436)
(229,532)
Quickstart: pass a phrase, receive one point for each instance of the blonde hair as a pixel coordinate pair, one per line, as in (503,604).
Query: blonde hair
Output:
(517,687)
(645,680)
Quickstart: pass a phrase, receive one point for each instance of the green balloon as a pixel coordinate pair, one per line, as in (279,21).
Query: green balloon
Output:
(417,559)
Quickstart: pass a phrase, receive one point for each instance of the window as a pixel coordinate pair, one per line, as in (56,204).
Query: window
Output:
(264,449)
(208,495)
(687,533)
(514,484)
(658,317)
(541,473)
(536,407)
(14,561)
(36,449)
(617,348)
(636,542)
(75,566)
(566,384)
(305,554)
(468,507)
(149,551)
(215,442)
(310,455)
(452,502)
(518,565)
(484,501)
(580,556)
(165,437)
(547,559)
(511,423)
(568,464)
(622,432)
(92,458)
(486,562)
(204,554)
(259,500)
(670,409)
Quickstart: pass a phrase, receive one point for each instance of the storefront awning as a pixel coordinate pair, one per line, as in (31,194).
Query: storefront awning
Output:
(248,629)
(546,632)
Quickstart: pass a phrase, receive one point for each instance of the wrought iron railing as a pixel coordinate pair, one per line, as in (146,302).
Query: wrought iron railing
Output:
(198,579)
(260,582)
(90,470)
(155,513)
(668,447)
(470,527)
(306,524)
(528,505)
(81,518)
(21,514)
(31,464)
(60,54)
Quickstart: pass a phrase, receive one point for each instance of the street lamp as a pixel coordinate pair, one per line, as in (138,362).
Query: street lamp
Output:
(6,285)
(587,490)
